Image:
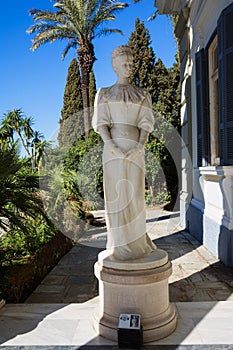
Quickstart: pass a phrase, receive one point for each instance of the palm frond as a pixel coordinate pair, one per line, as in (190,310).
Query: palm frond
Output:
(107,31)
(72,20)
(153,16)
(106,10)
(67,48)
(18,192)
(42,15)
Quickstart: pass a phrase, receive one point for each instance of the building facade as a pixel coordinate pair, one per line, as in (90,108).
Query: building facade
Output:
(205,34)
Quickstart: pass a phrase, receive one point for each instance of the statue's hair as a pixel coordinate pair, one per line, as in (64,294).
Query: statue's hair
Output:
(121,50)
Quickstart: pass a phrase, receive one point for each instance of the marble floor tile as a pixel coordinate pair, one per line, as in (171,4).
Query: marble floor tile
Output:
(72,324)
(185,333)
(54,279)
(46,332)
(44,297)
(215,330)
(85,334)
(205,310)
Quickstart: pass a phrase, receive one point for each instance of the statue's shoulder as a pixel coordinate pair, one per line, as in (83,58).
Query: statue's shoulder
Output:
(104,92)
(143,92)
(122,93)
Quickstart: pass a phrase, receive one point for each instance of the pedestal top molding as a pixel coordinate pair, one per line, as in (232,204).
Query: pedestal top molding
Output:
(156,259)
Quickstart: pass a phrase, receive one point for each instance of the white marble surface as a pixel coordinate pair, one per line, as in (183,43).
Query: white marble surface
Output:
(71,324)
(135,286)
(123,117)
(156,259)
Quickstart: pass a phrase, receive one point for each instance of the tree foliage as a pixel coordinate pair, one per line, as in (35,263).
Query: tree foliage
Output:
(16,129)
(85,158)
(15,122)
(72,99)
(163,85)
(71,123)
(92,88)
(18,191)
(62,199)
(72,183)
(143,56)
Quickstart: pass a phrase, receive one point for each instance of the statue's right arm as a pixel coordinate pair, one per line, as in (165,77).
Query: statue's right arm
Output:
(105,133)
(106,137)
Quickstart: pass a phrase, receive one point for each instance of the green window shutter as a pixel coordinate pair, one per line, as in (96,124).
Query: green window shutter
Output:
(225,72)
(203,132)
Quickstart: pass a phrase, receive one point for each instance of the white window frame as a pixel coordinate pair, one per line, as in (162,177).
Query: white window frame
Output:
(213,102)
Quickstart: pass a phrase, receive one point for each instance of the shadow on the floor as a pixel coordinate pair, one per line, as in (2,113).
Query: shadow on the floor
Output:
(12,325)
(176,244)
(99,221)
(164,217)
(214,283)
(72,280)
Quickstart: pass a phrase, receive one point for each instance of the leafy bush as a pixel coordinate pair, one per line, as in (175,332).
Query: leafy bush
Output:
(160,198)
(17,244)
(85,158)
(23,221)
(19,196)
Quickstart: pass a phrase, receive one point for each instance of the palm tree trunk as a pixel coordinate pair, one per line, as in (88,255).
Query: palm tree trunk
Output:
(23,143)
(86,102)
(86,59)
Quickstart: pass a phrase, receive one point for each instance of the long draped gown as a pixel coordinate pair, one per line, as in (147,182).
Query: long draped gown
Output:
(125,110)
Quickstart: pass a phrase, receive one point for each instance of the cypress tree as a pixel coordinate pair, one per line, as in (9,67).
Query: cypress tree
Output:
(175,93)
(166,101)
(160,79)
(71,123)
(166,92)
(144,57)
(163,85)
(72,100)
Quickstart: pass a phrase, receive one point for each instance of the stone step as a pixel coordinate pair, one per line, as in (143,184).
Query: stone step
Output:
(201,325)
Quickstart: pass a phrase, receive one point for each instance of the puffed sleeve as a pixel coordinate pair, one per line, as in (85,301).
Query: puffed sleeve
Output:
(146,116)
(101,115)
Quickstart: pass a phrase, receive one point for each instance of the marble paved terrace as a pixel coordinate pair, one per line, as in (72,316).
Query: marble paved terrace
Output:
(59,311)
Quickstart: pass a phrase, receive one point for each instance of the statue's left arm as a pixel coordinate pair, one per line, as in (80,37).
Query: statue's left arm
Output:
(145,125)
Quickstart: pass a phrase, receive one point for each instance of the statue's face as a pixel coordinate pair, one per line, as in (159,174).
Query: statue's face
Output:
(123,65)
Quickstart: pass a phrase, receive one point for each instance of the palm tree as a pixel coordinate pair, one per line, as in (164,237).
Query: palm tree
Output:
(6,136)
(6,132)
(27,127)
(39,146)
(15,121)
(79,22)
(17,191)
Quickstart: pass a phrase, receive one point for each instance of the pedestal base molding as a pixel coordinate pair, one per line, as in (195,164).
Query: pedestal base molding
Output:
(135,287)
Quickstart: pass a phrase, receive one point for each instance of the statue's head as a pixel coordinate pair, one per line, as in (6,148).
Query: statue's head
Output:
(122,55)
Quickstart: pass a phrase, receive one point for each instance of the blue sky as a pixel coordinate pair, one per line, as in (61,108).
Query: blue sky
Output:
(35,81)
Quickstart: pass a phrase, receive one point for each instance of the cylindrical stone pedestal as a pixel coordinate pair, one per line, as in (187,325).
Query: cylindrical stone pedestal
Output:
(138,287)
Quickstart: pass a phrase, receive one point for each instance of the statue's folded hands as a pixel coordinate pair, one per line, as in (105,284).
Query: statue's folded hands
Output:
(133,152)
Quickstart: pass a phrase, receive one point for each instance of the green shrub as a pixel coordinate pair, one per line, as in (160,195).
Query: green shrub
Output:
(17,244)
(85,158)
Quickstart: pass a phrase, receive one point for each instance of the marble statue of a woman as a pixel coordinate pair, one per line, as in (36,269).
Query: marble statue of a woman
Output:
(123,117)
